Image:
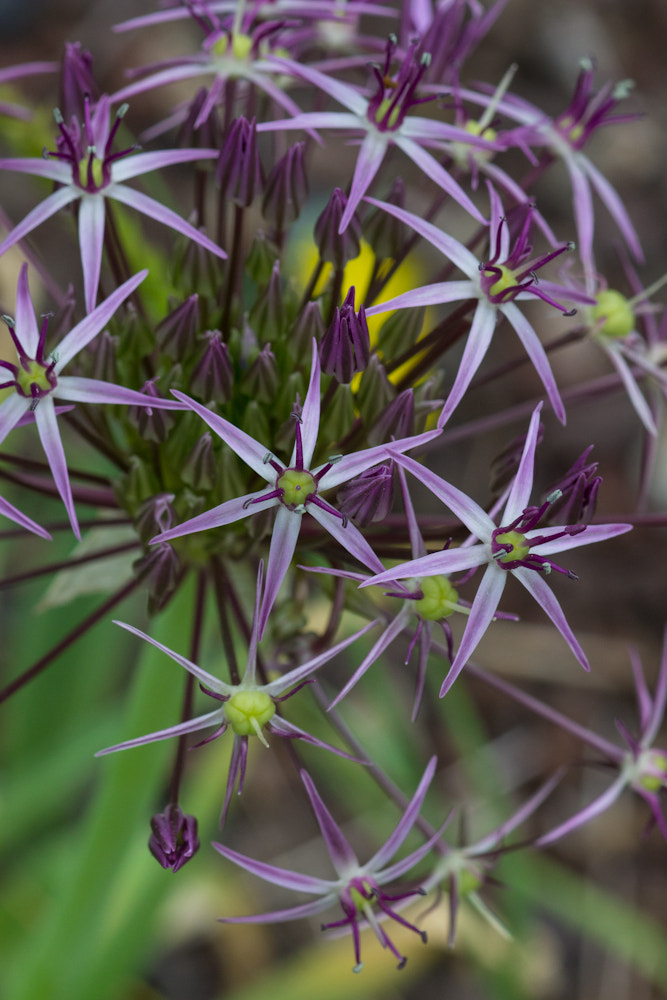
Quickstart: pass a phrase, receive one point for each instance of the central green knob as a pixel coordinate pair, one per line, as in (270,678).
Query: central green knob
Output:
(298,485)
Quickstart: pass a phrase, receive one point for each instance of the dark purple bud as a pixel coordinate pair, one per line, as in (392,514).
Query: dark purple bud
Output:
(176,333)
(200,467)
(505,465)
(286,189)
(345,347)
(369,496)
(335,247)
(213,375)
(161,567)
(396,421)
(238,171)
(152,423)
(385,233)
(209,133)
(262,379)
(174,838)
(155,515)
(76,81)
(579,488)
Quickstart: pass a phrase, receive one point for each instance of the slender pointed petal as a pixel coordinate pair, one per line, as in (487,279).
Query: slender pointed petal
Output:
(371,154)
(342,856)
(477,344)
(481,615)
(12,410)
(341,92)
(642,409)
(595,808)
(310,415)
(82,334)
(202,675)
(91,241)
(279,876)
(659,700)
(295,676)
(349,537)
(616,209)
(407,820)
(76,389)
(154,210)
(283,543)
(435,563)
(9,510)
(423,159)
(192,726)
(224,513)
(281,727)
(537,355)
(49,433)
(427,295)
(278,916)
(592,533)
(392,630)
(451,248)
(522,485)
(53,170)
(352,465)
(473,516)
(142,163)
(24,317)
(540,590)
(50,206)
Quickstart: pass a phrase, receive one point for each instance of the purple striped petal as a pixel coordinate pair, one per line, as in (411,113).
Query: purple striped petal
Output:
(12,410)
(477,344)
(82,334)
(427,295)
(591,533)
(435,563)
(9,510)
(481,615)
(342,856)
(203,675)
(352,465)
(394,628)
(406,822)
(77,389)
(141,163)
(349,537)
(214,718)
(284,537)
(432,169)
(476,520)
(277,687)
(224,513)
(537,355)
(91,240)
(53,170)
(522,485)
(545,597)
(372,152)
(310,415)
(279,876)
(451,248)
(50,206)
(49,434)
(27,331)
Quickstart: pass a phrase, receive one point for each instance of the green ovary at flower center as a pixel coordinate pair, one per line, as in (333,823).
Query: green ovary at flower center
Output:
(463,152)
(652,782)
(241,46)
(36,375)
(519,546)
(506,280)
(360,902)
(613,316)
(439,598)
(247,712)
(96,172)
(297,485)
(394,115)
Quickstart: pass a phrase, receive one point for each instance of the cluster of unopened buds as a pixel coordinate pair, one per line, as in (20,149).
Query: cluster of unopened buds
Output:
(271,384)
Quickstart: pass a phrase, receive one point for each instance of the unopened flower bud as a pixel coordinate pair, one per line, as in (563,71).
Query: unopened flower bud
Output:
(261,380)
(267,315)
(308,327)
(77,82)
(208,134)
(384,232)
(161,566)
(335,247)
(375,391)
(286,189)
(153,423)
(155,515)
(396,421)
(213,376)
(369,496)
(238,171)
(345,347)
(199,469)
(174,838)
(579,488)
(176,333)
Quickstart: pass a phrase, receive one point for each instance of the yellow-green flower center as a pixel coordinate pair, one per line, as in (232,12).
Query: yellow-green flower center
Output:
(382,111)
(241,46)
(247,712)
(34,376)
(519,546)
(506,280)
(298,486)
(614,315)
(360,902)
(95,171)
(469,882)
(651,782)
(439,598)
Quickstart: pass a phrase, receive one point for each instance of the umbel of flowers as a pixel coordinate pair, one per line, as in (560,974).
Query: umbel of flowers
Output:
(262,386)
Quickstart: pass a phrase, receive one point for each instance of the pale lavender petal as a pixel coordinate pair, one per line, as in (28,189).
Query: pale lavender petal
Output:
(615,207)
(53,170)
(642,694)
(252,452)
(432,169)
(295,676)
(595,808)
(352,465)
(202,675)
(310,414)
(497,835)
(279,916)
(277,94)
(154,210)
(427,295)
(342,856)
(132,166)
(641,407)
(591,533)
(349,537)
(371,154)
(341,92)
(50,206)
(49,434)
(520,196)
(406,822)
(307,120)
(281,727)
(395,871)
(481,615)
(538,588)
(27,331)
(394,628)
(214,718)
(473,516)
(522,485)
(277,876)
(584,217)
(497,218)
(89,390)
(224,513)
(284,537)
(537,355)
(91,240)
(9,510)
(417,546)
(82,334)
(171,75)
(452,249)
(12,409)
(434,564)
(477,344)
(659,699)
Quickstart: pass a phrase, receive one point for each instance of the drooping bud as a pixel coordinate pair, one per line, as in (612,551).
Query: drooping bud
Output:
(375,391)
(369,496)
(153,423)
(76,82)
(161,566)
(154,516)
(175,335)
(396,421)
(213,376)
(335,247)
(579,488)
(174,838)
(207,133)
(384,232)
(238,170)
(345,347)
(286,189)
(262,379)
(200,467)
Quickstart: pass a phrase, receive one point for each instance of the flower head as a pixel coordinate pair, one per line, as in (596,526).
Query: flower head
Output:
(358,889)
